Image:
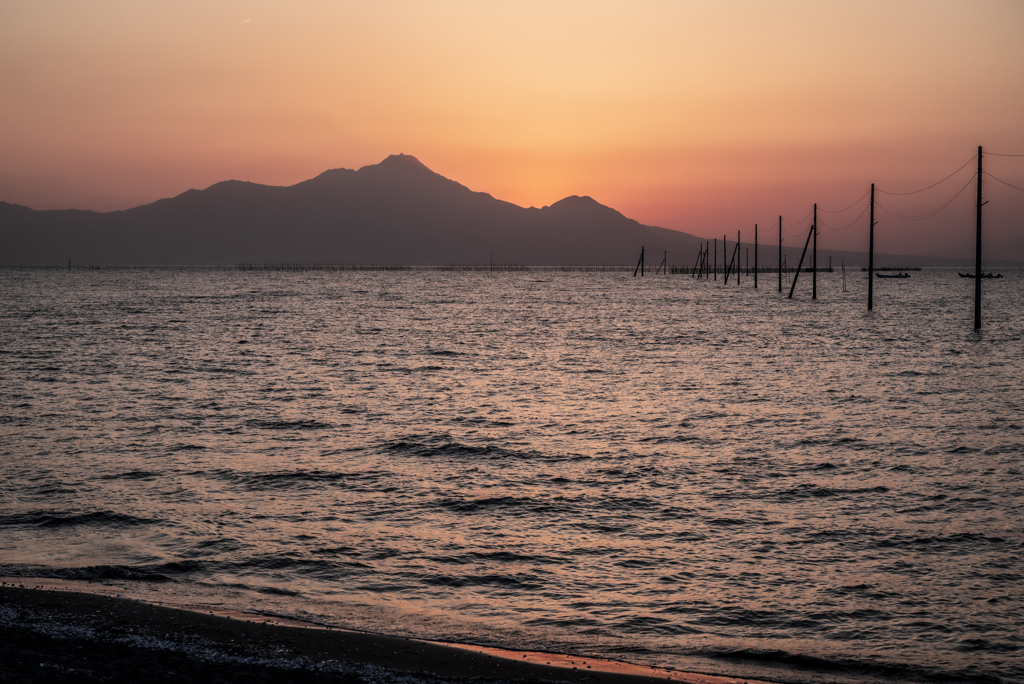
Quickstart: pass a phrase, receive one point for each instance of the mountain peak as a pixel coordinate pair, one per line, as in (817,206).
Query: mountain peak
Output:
(398,165)
(406,161)
(577,201)
(585,205)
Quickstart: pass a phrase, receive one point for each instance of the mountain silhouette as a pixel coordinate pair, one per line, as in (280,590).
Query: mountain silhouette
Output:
(397,212)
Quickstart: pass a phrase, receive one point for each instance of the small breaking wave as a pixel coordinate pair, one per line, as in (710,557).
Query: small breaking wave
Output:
(66,519)
(287,424)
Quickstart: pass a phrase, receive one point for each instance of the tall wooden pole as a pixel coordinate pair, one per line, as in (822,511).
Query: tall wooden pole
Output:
(977,254)
(755,256)
(780,254)
(738,269)
(814,256)
(871,252)
(715,269)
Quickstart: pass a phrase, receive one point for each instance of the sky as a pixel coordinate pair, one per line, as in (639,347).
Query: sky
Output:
(700,116)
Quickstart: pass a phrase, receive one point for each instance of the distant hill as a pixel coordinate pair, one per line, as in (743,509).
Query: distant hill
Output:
(397,212)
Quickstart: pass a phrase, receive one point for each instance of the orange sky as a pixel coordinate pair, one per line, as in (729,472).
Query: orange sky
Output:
(699,116)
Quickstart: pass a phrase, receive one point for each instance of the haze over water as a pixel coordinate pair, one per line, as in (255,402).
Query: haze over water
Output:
(662,470)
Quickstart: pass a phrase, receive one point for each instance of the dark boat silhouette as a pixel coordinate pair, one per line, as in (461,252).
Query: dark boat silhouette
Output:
(983,275)
(893,275)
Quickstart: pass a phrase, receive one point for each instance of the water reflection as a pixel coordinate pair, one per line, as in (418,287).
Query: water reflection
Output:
(664,467)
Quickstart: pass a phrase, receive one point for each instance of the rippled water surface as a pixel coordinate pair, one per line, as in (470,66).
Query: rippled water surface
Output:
(663,470)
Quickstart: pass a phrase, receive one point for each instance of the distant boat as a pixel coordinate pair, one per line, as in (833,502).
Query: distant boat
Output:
(983,275)
(892,275)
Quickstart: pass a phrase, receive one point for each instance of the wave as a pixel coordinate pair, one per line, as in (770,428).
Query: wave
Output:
(287,424)
(86,573)
(130,475)
(53,519)
(443,445)
(295,479)
(943,543)
(508,505)
(813,491)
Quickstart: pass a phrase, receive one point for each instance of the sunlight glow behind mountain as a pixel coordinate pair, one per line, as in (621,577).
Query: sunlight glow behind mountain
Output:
(698,116)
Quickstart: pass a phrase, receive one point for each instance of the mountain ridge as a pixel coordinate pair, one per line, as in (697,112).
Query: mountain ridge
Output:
(396,212)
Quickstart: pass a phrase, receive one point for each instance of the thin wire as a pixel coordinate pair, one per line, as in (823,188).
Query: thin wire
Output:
(933,184)
(928,214)
(847,208)
(771,227)
(794,223)
(1015,187)
(996,154)
(859,217)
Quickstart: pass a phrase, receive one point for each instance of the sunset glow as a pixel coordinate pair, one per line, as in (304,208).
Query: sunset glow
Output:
(704,117)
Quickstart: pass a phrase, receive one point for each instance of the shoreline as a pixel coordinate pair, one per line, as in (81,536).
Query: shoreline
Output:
(50,631)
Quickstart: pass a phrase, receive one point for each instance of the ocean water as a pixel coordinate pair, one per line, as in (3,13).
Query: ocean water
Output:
(663,470)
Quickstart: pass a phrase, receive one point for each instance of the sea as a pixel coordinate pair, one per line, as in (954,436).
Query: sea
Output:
(666,470)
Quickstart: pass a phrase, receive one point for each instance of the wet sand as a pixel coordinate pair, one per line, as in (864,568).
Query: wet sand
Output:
(51,635)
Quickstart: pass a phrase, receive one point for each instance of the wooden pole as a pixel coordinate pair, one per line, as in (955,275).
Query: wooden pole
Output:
(871,252)
(780,254)
(802,254)
(640,264)
(814,256)
(977,254)
(715,270)
(755,256)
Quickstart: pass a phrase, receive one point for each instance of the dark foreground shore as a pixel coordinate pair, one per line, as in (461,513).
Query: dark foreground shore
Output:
(59,636)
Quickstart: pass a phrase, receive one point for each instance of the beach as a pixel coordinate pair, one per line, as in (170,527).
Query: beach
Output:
(52,635)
